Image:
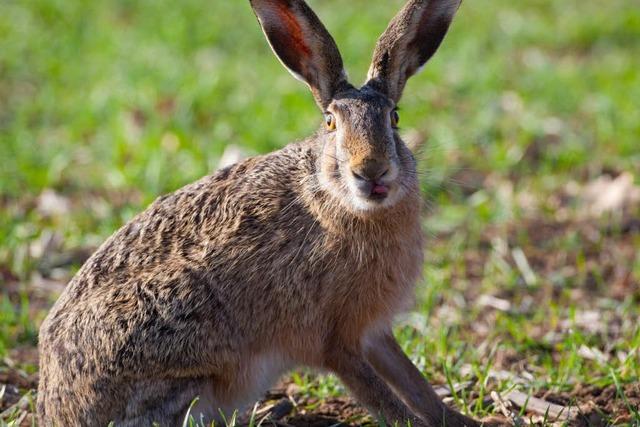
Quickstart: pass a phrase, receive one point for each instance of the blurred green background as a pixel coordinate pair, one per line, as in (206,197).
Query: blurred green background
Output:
(144,96)
(105,105)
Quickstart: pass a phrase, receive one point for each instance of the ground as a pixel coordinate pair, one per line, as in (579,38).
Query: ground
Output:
(529,130)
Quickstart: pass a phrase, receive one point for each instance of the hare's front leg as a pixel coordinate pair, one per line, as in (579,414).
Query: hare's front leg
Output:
(369,389)
(388,359)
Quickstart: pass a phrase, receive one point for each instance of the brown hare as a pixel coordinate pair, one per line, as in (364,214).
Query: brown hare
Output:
(298,257)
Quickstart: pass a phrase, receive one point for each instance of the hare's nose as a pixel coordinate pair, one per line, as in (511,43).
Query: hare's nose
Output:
(371,170)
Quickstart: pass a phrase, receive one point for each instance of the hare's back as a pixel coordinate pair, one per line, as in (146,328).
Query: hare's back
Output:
(185,271)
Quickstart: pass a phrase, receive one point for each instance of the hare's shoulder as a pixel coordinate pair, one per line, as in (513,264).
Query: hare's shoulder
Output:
(262,183)
(242,183)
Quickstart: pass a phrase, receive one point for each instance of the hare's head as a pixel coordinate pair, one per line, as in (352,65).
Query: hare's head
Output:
(363,161)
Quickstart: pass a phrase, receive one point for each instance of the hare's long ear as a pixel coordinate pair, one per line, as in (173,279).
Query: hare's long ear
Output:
(411,38)
(303,45)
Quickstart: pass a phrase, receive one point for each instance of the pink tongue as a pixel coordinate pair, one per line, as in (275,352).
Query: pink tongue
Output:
(380,189)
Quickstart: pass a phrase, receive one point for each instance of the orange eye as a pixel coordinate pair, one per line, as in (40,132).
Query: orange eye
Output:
(395,118)
(330,121)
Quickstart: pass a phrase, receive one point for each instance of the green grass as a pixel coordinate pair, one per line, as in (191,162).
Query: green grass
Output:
(111,103)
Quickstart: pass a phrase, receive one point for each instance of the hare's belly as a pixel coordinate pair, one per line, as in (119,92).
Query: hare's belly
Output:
(255,374)
(265,369)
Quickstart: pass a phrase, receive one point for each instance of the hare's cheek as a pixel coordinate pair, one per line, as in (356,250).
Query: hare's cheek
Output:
(330,167)
(339,142)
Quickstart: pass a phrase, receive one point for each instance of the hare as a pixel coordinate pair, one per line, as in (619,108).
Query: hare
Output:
(298,257)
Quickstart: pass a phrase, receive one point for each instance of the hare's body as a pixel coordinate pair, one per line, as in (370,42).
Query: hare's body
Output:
(299,257)
(219,310)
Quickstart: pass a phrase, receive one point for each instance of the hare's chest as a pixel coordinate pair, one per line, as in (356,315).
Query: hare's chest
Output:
(381,283)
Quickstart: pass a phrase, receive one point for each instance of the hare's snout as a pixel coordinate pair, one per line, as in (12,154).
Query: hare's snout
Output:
(372,179)
(373,182)
(370,170)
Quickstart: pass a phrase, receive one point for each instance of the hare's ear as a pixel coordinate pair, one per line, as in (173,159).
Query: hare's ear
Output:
(411,38)
(303,45)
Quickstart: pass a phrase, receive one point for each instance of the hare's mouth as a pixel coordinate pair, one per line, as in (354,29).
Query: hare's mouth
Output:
(373,190)
(380,190)
(371,196)
(378,197)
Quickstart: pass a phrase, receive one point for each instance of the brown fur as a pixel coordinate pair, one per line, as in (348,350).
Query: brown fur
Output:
(274,262)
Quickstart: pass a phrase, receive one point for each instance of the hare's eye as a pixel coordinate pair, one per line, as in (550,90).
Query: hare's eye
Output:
(330,121)
(395,118)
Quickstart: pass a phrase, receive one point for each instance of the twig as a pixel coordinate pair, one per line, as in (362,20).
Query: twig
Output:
(505,408)
(542,407)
